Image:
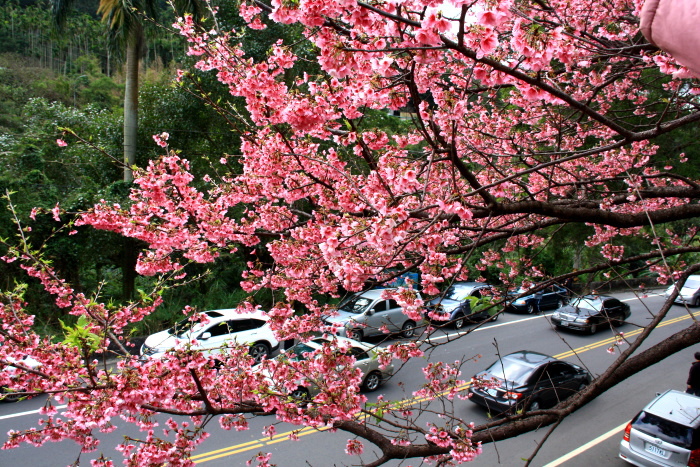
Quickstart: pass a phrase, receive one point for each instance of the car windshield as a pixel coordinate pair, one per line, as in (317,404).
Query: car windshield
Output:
(356,304)
(510,370)
(692,284)
(298,352)
(666,430)
(584,303)
(457,293)
(182,327)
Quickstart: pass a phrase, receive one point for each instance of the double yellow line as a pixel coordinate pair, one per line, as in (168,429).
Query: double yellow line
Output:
(280,437)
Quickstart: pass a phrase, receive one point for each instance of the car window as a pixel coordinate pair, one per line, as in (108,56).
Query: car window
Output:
(477,294)
(358,353)
(511,370)
(558,370)
(457,293)
(356,304)
(393,304)
(379,306)
(669,431)
(612,303)
(692,284)
(219,329)
(247,324)
(299,351)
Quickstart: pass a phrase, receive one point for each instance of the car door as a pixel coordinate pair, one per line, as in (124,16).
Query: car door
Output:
(213,338)
(614,309)
(395,315)
(551,297)
(246,330)
(376,317)
(362,360)
(541,387)
(563,381)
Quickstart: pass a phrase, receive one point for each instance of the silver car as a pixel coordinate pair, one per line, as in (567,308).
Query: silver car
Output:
(367,314)
(689,293)
(665,433)
(366,359)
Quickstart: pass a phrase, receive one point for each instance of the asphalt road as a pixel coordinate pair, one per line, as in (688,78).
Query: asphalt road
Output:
(589,437)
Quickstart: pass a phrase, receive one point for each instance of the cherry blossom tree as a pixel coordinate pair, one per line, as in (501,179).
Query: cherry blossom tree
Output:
(525,118)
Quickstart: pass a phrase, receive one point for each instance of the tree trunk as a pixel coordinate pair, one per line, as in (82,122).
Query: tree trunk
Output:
(131,108)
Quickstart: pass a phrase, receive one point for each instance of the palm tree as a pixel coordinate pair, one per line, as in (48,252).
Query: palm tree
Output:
(125,25)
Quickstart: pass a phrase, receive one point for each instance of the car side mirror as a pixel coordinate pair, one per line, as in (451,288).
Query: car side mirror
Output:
(369,312)
(205,336)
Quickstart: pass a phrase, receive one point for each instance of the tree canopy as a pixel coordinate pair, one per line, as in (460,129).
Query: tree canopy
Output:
(525,121)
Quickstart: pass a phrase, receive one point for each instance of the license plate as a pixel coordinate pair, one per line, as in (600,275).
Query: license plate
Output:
(656,450)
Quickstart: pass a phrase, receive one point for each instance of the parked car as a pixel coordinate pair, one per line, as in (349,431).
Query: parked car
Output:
(224,327)
(366,313)
(591,313)
(366,359)
(526,380)
(14,394)
(462,303)
(665,433)
(552,296)
(689,293)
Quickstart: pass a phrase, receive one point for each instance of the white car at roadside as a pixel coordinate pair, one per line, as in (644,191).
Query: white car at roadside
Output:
(219,329)
(15,394)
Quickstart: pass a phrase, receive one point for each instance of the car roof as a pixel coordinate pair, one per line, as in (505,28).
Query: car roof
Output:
(233,313)
(470,284)
(319,341)
(595,297)
(530,358)
(374,294)
(676,406)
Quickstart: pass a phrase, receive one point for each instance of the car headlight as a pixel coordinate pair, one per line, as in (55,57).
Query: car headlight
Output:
(519,302)
(581,320)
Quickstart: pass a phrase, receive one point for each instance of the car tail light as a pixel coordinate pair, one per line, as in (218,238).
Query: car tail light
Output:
(513,395)
(628,428)
(694,460)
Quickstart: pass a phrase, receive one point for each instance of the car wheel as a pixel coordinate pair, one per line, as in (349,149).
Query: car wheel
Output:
(581,387)
(696,302)
(593,329)
(9,396)
(408,329)
(300,395)
(495,317)
(459,322)
(372,381)
(560,303)
(356,334)
(534,405)
(259,351)
(531,308)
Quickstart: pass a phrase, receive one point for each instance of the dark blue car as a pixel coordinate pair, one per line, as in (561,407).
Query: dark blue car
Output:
(552,296)
(462,303)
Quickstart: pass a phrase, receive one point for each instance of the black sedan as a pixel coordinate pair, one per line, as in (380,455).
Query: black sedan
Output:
(552,296)
(591,313)
(526,380)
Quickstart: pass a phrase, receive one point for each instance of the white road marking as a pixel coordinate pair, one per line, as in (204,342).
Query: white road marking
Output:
(29,412)
(587,446)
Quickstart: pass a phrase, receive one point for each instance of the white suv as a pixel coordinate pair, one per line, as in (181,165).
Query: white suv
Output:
(224,327)
(665,433)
